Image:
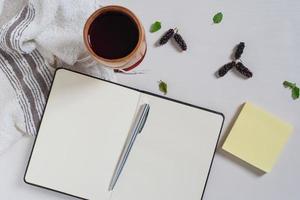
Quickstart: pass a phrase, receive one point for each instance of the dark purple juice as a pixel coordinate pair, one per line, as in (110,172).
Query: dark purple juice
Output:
(113,35)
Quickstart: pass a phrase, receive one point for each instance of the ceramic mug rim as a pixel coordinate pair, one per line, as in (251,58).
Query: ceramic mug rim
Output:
(102,10)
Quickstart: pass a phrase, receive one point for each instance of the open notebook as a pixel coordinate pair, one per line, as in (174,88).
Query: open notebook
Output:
(86,125)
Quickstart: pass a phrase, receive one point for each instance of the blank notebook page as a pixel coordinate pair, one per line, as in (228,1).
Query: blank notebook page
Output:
(171,157)
(82,135)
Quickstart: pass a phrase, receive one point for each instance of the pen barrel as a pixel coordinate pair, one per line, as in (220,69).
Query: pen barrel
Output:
(137,127)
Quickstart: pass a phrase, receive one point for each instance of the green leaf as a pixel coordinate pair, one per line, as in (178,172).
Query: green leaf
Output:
(218,18)
(155,27)
(293,87)
(295,93)
(289,84)
(163,87)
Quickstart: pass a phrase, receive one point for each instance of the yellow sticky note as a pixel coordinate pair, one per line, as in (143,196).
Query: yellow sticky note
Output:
(257,137)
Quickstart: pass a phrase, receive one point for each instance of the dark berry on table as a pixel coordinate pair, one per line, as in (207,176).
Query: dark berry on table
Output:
(243,70)
(239,50)
(179,40)
(165,38)
(225,68)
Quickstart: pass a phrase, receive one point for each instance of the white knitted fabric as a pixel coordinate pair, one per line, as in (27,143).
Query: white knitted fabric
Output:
(37,36)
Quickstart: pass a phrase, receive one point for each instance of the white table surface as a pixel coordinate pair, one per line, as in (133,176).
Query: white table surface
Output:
(271,31)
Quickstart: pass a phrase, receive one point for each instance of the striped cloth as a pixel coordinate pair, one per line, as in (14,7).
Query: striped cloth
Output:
(28,70)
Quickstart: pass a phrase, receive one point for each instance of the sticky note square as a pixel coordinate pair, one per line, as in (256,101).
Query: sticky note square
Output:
(257,137)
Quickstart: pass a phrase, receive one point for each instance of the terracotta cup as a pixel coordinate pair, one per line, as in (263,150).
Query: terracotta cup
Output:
(131,60)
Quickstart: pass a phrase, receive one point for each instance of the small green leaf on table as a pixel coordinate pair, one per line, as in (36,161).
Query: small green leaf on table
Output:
(163,87)
(155,27)
(218,18)
(293,87)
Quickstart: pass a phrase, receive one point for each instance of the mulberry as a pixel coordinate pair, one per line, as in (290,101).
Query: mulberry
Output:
(225,68)
(165,38)
(239,50)
(179,40)
(243,70)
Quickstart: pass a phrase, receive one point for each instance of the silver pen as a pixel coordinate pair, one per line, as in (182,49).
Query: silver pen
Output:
(137,127)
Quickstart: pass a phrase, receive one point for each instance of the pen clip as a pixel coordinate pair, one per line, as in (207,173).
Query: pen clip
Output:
(144,118)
